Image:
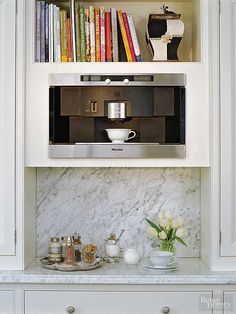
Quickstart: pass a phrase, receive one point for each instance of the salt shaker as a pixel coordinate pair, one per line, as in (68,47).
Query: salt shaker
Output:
(131,255)
(112,249)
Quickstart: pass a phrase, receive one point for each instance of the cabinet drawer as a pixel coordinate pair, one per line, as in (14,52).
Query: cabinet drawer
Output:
(6,302)
(107,302)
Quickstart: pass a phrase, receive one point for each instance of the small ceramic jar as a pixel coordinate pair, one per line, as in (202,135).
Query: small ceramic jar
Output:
(131,255)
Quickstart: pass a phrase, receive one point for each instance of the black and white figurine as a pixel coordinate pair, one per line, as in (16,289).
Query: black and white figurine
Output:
(164,34)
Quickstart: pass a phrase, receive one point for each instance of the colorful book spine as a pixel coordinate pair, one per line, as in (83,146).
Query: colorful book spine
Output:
(87,35)
(58,39)
(73,36)
(97,35)
(42,31)
(38,32)
(77,32)
(46,32)
(128,34)
(82,35)
(124,36)
(103,35)
(51,33)
(69,43)
(114,35)
(55,32)
(92,34)
(108,37)
(134,38)
(63,26)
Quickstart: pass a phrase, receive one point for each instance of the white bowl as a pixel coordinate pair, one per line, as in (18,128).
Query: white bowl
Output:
(162,258)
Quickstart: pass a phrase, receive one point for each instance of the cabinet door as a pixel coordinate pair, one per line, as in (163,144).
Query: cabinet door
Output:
(228,127)
(7,126)
(6,302)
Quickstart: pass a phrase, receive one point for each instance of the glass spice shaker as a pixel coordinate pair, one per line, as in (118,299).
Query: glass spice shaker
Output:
(77,246)
(55,250)
(63,246)
(70,252)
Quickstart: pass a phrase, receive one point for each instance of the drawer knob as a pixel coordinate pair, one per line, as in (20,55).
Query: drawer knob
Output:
(165,310)
(70,309)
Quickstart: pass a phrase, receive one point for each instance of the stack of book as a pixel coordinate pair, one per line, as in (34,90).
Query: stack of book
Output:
(84,34)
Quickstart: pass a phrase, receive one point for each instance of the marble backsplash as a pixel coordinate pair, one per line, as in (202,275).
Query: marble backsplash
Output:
(97,201)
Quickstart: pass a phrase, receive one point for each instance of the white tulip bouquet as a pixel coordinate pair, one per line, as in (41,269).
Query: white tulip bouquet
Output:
(168,230)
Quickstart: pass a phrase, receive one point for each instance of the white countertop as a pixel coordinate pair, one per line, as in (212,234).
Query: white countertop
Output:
(190,271)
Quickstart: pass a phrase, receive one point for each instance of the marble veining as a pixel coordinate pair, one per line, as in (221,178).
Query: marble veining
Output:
(97,201)
(191,271)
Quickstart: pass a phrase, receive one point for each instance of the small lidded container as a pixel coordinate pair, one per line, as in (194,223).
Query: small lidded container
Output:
(89,254)
(112,249)
(131,254)
(55,250)
(77,246)
(63,246)
(70,252)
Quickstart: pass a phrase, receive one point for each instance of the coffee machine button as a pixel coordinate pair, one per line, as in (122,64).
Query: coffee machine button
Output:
(126,81)
(108,81)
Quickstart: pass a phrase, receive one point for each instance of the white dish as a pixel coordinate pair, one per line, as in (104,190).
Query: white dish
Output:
(172,266)
(162,258)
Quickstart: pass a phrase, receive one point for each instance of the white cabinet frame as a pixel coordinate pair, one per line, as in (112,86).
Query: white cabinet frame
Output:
(7,126)
(228,127)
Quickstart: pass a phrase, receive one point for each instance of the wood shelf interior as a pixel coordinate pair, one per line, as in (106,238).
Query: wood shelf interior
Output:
(190,47)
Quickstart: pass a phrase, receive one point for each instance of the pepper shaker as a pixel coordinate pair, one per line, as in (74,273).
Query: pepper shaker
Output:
(77,246)
(70,252)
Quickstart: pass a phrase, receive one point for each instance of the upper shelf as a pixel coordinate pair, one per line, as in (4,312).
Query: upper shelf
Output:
(115,1)
(190,49)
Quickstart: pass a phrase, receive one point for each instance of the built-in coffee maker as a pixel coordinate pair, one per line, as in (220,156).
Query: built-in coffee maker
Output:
(117,116)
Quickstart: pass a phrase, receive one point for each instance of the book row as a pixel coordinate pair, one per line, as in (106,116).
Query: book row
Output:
(84,34)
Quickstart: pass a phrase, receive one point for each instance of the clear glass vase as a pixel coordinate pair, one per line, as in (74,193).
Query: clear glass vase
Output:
(167,246)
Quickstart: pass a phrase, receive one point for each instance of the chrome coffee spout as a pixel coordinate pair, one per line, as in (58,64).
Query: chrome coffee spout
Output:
(117,110)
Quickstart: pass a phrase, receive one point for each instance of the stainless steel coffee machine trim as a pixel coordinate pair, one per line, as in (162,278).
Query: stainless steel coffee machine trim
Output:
(109,150)
(74,79)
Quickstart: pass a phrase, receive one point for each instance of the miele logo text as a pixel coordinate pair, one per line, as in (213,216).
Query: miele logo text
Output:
(117,149)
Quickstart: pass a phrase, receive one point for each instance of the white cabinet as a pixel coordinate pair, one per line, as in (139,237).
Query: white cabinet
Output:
(228,127)
(7,127)
(115,302)
(7,302)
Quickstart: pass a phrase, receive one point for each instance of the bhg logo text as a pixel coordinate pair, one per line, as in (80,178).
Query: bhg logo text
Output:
(207,302)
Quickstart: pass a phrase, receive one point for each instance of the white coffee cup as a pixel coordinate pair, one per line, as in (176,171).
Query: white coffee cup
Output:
(162,258)
(119,136)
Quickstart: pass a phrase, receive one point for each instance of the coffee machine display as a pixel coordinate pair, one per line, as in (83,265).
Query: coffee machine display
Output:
(125,116)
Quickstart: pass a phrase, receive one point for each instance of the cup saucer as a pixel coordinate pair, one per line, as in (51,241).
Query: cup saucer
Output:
(171,266)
